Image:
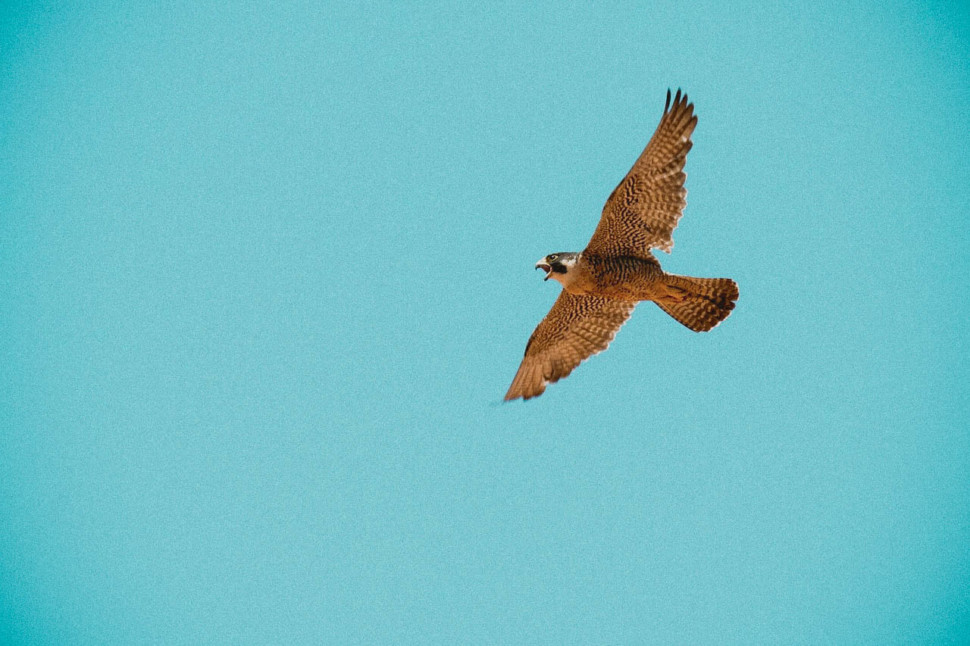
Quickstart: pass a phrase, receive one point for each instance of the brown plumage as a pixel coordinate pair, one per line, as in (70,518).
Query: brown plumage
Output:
(603,283)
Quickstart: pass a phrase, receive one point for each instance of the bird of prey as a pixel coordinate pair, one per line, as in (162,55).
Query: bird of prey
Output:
(603,283)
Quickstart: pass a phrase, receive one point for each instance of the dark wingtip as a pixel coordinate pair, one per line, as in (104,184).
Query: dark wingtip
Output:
(680,99)
(680,103)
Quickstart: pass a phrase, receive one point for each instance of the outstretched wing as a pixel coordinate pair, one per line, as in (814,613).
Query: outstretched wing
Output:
(643,210)
(575,328)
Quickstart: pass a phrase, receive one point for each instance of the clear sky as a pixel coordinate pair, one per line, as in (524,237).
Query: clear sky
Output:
(266,272)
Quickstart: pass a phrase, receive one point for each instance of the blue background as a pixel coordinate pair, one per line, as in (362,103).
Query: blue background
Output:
(266,271)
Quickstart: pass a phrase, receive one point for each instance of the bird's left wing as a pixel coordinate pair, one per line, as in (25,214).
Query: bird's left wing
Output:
(575,328)
(643,210)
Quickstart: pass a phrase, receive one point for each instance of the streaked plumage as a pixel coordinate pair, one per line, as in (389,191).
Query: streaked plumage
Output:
(603,283)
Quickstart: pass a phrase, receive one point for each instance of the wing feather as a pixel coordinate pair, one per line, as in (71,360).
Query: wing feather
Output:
(575,328)
(644,209)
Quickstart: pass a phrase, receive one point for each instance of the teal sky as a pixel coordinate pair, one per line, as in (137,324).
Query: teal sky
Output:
(266,272)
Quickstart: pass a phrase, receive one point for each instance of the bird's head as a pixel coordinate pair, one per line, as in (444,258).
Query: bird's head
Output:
(558,265)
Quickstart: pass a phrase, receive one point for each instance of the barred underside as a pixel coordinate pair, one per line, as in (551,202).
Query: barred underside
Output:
(619,268)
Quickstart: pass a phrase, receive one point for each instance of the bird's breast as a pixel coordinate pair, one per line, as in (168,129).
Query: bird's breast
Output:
(623,278)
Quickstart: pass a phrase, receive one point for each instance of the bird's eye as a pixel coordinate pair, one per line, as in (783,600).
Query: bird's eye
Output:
(553,257)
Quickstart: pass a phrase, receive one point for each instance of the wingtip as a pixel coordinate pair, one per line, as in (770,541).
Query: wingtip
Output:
(525,392)
(681,109)
(511,394)
(680,101)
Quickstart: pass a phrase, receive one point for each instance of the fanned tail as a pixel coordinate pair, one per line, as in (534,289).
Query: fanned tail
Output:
(698,303)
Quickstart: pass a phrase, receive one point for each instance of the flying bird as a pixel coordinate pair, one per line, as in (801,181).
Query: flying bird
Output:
(603,283)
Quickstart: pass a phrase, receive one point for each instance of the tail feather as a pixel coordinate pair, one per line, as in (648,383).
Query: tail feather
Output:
(698,303)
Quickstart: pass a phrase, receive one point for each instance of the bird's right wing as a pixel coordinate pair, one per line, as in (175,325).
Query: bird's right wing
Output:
(575,328)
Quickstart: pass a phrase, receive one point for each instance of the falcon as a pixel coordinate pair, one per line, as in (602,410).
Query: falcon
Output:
(603,283)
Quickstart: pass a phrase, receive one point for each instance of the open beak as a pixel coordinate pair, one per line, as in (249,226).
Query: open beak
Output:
(544,266)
